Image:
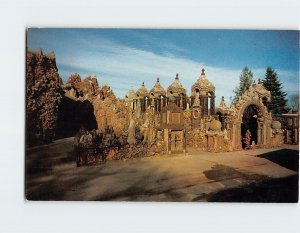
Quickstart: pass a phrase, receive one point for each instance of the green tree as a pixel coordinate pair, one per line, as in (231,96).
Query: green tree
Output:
(294,102)
(278,103)
(246,80)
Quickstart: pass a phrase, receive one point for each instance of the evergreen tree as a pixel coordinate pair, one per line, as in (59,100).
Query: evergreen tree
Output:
(246,80)
(278,104)
(294,102)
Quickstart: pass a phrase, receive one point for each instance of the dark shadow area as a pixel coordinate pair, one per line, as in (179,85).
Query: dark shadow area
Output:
(286,158)
(249,122)
(282,190)
(43,158)
(46,164)
(57,188)
(221,172)
(259,188)
(72,114)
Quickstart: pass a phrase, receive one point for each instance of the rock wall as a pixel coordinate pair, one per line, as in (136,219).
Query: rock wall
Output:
(108,110)
(84,109)
(43,95)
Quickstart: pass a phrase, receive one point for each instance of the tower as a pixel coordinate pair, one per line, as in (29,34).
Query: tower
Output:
(143,98)
(158,95)
(177,90)
(202,99)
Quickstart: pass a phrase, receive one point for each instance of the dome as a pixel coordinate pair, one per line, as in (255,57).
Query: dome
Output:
(276,125)
(157,89)
(176,87)
(130,95)
(215,125)
(203,84)
(142,91)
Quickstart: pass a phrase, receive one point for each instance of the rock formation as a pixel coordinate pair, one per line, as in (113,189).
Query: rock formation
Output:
(43,95)
(107,109)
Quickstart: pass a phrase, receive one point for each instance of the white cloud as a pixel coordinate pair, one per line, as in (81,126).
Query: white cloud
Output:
(125,67)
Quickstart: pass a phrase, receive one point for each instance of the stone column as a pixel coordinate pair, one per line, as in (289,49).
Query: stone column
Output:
(169,140)
(258,134)
(239,136)
(264,134)
(184,140)
(233,136)
(288,139)
(269,134)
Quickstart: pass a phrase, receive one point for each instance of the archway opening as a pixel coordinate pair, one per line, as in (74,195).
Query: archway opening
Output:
(220,117)
(249,126)
(208,103)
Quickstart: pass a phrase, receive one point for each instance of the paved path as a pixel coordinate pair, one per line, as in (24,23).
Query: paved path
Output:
(191,177)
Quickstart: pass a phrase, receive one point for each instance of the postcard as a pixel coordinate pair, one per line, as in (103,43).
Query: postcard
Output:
(163,115)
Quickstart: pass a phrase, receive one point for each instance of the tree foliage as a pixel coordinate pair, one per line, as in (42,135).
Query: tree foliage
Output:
(278,103)
(294,102)
(246,80)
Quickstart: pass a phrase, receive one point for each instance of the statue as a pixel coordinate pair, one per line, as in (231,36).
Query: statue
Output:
(145,130)
(197,101)
(131,132)
(247,140)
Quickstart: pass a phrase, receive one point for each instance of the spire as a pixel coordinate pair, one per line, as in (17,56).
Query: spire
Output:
(203,71)
(223,104)
(40,52)
(157,89)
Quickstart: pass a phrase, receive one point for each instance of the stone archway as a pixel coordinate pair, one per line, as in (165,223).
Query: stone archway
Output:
(252,115)
(253,103)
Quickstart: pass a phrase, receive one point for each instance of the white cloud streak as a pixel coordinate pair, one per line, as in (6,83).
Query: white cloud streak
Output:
(126,67)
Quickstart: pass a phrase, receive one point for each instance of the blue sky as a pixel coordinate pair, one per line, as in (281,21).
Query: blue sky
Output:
(124,58)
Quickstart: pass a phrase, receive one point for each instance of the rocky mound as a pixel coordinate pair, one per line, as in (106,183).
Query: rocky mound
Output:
(108,110)
(43,95)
